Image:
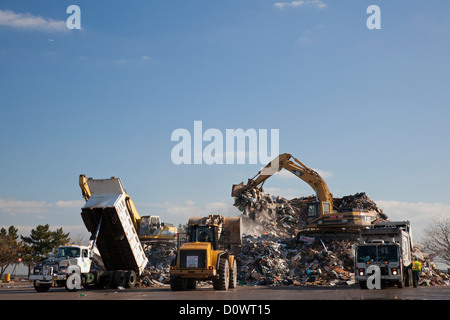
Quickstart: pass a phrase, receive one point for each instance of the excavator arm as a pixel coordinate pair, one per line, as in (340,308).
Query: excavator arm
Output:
(85,191)
(311,177)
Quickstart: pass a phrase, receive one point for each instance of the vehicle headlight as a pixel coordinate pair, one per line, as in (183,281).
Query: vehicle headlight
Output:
(394,272)
(361,272)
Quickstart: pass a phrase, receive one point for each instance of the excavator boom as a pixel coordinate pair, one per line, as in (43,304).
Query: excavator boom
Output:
(320,214)
(311,177)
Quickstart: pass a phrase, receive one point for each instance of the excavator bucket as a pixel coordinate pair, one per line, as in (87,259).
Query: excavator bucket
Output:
(236,189)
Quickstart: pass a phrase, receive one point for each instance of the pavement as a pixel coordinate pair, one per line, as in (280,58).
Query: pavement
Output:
(25,291)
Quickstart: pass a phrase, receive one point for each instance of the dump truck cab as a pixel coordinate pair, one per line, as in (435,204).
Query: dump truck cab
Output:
(387,245)
(71,261)
(208,254)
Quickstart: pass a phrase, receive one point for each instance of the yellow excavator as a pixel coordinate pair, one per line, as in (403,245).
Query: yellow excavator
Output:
(320,214)
(150,229)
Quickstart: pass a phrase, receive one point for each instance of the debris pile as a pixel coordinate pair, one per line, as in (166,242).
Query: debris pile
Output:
(160,257)
(431,275)
(279,217)
(269,261)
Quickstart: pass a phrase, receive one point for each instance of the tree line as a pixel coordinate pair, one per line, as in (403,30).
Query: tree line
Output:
(29,250)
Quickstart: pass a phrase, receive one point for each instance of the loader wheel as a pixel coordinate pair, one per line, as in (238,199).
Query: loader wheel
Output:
(178,283)
(233,276)
(223,281)
(191,284)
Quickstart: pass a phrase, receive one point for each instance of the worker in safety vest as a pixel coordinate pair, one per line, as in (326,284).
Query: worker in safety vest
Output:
(416,268)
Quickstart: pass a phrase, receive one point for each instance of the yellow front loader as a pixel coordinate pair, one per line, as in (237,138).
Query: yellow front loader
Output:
(208,254)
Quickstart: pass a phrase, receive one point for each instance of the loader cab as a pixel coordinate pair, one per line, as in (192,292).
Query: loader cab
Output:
(203,234)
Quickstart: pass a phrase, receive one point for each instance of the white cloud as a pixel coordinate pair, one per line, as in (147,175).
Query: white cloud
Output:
(300,3)
(420,214)
(27,21)
(70,204)
(15,207)
(179,212)
(324,174)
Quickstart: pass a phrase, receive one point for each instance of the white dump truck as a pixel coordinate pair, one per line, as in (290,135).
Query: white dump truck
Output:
(387,245)
(108,215)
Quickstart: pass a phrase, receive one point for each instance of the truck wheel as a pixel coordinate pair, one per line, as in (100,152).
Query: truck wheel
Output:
(130,279)
(223,281)
(73,282)
(233,276)
(409,278)
(41,287)
(118,279)
(363,285)
(178,283)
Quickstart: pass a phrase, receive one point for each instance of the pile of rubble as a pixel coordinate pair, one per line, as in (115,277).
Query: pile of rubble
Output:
(269,261)
(160,256)
(279,217)
(271,256)
(431,275)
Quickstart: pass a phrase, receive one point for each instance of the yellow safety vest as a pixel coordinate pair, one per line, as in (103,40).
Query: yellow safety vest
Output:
(416,266)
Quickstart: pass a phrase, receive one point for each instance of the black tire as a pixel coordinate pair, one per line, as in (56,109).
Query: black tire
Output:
(233,275)
(178,283)
(41,287)
(130,279)
(222,282)
(191,284)
(362,285)
(409,278)
(119,279)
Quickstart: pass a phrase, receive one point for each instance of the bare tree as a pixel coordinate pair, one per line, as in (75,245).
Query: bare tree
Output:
(436,241)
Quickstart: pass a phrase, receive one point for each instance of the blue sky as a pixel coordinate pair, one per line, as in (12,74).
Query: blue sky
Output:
(368,108)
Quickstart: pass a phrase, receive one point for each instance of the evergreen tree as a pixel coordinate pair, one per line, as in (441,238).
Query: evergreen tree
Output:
(10,249)
(42,241)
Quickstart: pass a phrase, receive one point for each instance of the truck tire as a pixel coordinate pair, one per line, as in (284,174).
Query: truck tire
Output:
(408,280)
(118,279)
(130,279)
(73,282)
(233,276)
(41,287)
(178,283)
(222,282)
(362,284)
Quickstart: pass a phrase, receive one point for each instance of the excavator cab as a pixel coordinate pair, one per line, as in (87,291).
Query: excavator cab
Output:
(317,209)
